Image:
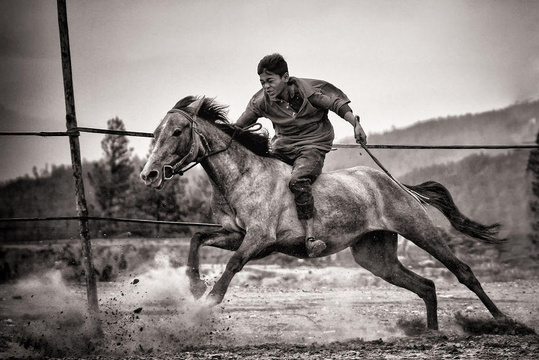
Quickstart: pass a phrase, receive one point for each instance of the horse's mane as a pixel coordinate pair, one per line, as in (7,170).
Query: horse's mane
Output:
(215,113)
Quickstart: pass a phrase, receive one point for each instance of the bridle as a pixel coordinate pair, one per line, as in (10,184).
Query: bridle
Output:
(177,167)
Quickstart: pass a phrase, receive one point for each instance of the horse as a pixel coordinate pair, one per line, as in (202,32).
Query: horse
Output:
(360,208)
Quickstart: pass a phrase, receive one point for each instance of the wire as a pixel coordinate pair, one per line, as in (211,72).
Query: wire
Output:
(77,130)
(408,147)
(56,218)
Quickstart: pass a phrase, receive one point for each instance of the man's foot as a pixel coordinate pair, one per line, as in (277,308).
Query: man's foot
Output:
(314,247)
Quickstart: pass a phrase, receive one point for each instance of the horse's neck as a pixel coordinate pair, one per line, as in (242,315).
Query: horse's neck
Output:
(226,169)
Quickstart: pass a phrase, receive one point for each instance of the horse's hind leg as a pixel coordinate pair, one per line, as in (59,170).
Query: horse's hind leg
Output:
(377,252)
(222,239)
(433,240)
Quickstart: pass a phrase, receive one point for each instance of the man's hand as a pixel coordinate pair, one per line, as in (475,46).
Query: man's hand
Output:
(361,137)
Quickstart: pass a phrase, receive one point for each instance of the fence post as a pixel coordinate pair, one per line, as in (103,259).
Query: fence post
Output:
(82,208)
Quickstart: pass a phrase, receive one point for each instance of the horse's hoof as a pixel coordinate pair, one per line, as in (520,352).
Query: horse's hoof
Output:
(315,247)
(198,289)
(209,301)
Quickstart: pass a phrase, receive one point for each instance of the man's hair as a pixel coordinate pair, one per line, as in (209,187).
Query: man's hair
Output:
(274,63)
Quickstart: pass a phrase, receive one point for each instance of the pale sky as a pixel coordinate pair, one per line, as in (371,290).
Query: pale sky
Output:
(398,61)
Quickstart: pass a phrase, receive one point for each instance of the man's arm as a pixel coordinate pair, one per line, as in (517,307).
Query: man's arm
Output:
(359,133)
(343,110)
(250,115)
(245,120)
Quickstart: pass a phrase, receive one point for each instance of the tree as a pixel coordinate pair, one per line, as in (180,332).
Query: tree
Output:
(110,176)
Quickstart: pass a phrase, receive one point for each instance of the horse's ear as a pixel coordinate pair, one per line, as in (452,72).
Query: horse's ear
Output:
(196,105)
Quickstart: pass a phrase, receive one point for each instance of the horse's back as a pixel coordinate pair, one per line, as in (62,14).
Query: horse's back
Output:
(355,198)
(359,181)
(343,197)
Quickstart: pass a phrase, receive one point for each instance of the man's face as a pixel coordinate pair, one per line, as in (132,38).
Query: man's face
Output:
(273,84)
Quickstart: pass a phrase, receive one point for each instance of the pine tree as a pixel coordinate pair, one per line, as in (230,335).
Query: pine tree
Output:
(110,176)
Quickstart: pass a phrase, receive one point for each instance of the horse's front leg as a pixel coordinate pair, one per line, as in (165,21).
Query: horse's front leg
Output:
(249,249)
(222,239)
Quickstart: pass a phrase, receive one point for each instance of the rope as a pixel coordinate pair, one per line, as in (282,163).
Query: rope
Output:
(418,197)
(56,218)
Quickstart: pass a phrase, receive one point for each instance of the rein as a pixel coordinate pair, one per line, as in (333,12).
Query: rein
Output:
(177,168)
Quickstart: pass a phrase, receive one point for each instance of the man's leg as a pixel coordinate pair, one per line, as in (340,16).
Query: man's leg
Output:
(307,167)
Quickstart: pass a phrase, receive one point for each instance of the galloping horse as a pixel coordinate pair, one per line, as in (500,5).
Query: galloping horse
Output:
(358,208)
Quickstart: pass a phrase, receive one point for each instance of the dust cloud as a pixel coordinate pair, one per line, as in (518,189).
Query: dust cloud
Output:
(54,320)
(150,313)
(153,311)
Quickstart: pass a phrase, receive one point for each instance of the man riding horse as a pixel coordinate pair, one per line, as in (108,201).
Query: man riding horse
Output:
(256,208)
(298,109)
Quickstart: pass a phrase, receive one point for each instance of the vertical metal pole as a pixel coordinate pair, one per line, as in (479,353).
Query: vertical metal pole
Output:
(82,209)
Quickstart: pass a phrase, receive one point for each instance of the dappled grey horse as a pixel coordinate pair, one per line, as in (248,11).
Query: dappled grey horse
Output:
(358,208)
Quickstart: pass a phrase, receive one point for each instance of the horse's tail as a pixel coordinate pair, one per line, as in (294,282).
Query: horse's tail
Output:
(435,194)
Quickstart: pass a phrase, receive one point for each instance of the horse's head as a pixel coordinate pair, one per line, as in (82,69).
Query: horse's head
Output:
(176,143)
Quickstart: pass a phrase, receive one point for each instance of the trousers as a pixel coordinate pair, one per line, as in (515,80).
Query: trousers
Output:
(306,168)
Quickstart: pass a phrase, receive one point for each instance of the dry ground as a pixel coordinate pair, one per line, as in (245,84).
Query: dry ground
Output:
(268,313)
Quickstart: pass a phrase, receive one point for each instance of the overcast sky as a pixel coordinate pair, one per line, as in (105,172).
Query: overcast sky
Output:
(398,61)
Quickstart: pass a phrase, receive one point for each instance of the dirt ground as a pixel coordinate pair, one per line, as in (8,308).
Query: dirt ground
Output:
(153,316)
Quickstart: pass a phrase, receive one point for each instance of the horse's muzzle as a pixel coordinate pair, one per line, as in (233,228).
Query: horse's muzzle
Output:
(150,178)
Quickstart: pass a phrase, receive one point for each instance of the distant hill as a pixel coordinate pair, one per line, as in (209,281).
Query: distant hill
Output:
(516,124)
(486,188)
(489,189)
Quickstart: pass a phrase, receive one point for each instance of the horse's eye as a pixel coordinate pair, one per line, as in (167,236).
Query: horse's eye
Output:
(176,132)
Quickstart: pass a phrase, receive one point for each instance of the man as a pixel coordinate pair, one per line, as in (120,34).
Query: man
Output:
(298,109)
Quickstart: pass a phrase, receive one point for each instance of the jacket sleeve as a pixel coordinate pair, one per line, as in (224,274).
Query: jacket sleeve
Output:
(331,98)
(247,118)
(250,115)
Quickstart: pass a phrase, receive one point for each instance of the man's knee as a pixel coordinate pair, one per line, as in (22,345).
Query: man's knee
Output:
(299,186)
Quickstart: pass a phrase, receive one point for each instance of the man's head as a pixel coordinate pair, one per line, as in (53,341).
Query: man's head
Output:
(273,72)
(274,63)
